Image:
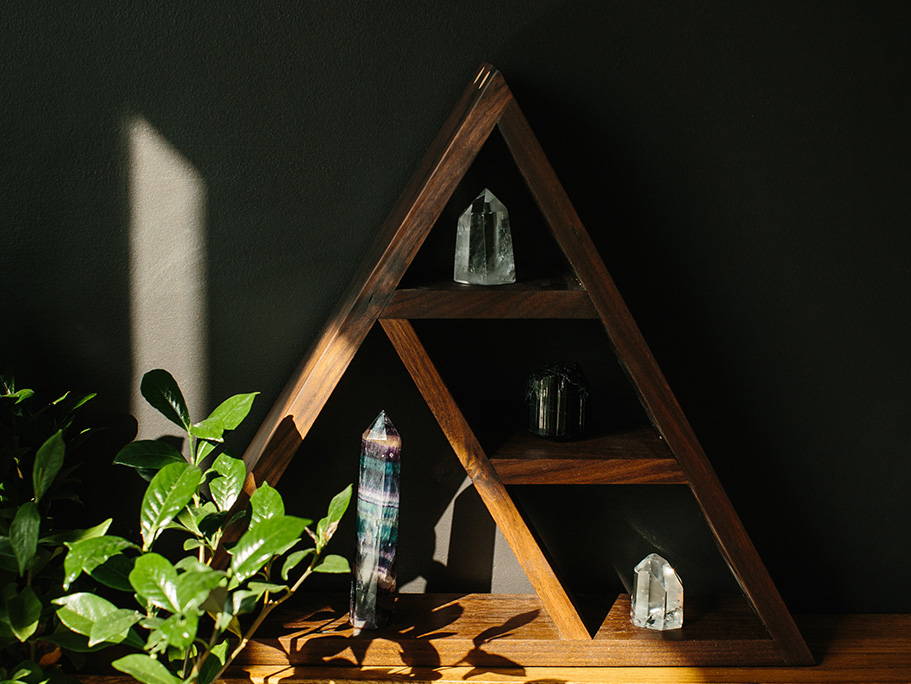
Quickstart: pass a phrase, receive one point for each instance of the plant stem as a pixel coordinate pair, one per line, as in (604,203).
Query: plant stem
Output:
(200,660)
(268,608)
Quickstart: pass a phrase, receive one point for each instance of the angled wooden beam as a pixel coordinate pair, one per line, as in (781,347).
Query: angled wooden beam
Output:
(485,480)
(654,391)
(488,102)
(399,239)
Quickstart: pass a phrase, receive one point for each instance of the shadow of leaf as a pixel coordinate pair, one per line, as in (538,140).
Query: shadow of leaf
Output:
(506,628)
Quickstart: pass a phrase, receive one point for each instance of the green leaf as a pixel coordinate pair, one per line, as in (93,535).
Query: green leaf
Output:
(19,396)
(333,564)
(212,523)
(227,416)
(24,610)
(203,449)
(203,512)
(86,399)
(263,587)
(70,641)
(265,503)
(189,563)
(260,543)
(7,557)
(29,672)
(151,454)
(88,554)
(326,527)
(190,544)
(160,389)
(194,586)
(114,627)
(48,460)
(40,560)
(188,520)
(23,534)
(243,601)
(168,492)
(115,573)
(155,579)
(339,505)
(213,663)
(293,560)
(145,669)
(77,535)
(232,411)
(226,488)
(179,630)
(216,602)
(80,611)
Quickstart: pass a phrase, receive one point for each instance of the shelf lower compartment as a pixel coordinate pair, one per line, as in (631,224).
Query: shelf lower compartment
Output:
(637,456)
(505,630)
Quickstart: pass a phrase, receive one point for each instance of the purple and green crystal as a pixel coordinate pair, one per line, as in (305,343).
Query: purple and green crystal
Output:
(374,583)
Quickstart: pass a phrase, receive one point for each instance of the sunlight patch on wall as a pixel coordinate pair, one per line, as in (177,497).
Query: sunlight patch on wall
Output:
(167,272)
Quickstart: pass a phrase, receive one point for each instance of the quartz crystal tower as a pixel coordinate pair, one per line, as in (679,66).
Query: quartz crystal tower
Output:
(657,601)
(483,253)
(374,582)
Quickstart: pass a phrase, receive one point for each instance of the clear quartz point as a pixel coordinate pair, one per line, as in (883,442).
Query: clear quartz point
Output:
(483,253)
(657,601)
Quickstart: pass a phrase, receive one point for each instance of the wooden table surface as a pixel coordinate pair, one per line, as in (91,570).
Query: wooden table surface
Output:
(849,648)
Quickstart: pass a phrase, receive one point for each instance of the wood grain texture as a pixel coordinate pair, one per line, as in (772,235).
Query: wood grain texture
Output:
(637,456)
(398,240)
(853,649)
(654,392)
(534,299)
(484,478)
(490,630)
(485,103)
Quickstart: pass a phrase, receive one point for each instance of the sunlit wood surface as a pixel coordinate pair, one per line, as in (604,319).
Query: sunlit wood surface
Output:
(850,648)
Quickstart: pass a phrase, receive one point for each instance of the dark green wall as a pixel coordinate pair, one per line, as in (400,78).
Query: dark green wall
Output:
(743,168)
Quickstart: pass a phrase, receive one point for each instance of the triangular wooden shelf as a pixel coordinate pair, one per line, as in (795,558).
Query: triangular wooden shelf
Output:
(668,454)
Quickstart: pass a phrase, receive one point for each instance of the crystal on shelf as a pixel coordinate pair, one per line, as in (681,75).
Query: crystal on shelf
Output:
(657,601)
(557,399)
(374,578)
(483,253)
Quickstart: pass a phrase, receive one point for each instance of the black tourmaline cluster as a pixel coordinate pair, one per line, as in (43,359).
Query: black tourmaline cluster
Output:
(557,401)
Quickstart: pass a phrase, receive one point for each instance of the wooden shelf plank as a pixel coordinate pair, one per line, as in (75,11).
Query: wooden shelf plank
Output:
(502,630)
(552,298)
(637,456)
(851,648)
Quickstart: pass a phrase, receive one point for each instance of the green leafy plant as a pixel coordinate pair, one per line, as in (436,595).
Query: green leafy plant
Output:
(193,617)
(36,443)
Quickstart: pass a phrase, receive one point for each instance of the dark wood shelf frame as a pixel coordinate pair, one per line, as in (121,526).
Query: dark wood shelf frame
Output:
(637,456)
(531,299)
(488,630)
(373,297)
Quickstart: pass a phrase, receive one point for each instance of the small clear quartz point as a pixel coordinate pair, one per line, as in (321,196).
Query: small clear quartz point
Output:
(657,600)
(483,253)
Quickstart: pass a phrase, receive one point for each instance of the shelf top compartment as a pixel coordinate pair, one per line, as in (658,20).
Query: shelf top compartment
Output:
(543,298)
(634,456)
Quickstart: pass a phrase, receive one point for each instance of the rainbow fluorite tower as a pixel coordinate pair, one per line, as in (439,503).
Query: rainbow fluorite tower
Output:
(374,583)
